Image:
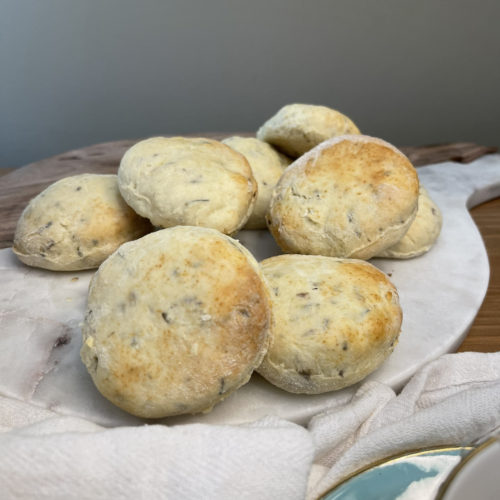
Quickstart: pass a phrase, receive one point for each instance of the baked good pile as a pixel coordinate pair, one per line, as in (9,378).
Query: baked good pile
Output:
(180,314)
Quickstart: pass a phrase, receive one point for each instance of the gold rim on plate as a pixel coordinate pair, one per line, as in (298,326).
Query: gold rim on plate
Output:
(454,472)
(394,458)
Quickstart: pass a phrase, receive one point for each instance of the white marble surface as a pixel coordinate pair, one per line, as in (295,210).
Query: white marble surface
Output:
(440,292)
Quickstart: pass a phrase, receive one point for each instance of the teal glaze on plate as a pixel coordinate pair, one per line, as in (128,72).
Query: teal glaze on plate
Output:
(414,475)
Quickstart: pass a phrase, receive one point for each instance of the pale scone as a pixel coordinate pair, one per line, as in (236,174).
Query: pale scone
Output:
(351,196)
(176,321)
(267,166)
(336,321)
(75,224)
(188,181)
(297,128)
(422,233)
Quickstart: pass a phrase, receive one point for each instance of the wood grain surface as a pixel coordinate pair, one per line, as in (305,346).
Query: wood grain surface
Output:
(484,335)
(18,186)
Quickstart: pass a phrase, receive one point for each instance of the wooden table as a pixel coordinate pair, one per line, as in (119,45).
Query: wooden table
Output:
(18,186)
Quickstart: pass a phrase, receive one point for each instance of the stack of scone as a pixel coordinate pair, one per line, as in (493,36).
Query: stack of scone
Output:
(346,194)
(346,197)
(180,318)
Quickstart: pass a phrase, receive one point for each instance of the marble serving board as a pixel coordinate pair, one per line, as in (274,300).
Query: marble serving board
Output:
(440,292)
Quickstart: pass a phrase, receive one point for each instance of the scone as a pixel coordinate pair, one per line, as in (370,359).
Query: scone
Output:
(188,181)
(267,166)
(297,128)
(336,321)
(422,233)
(176,321)
(351,196)
(76,223)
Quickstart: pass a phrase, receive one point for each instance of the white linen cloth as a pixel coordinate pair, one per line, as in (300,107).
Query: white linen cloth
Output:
(453,400)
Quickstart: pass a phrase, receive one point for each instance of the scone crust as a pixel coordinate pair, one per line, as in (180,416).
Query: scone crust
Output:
(267,166)
(76,223)
(423,232)
(176,322)
(297,128)
(188,181)
(336,321)
(351,196)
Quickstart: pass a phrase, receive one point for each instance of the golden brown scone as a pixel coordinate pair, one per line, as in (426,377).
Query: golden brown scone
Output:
(267,166)
(335,321)
(422,233)
(188,181)
(176,321)
(351,196)
(76,223)
(297,128)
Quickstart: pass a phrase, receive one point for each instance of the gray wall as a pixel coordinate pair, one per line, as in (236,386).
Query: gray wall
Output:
(74,73)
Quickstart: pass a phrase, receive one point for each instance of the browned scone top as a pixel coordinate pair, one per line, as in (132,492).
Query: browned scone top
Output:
(351,196)
(176,321)
(336,320)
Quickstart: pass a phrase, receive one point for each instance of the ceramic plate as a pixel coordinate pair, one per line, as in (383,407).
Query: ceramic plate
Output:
(407,476)
(476,476)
